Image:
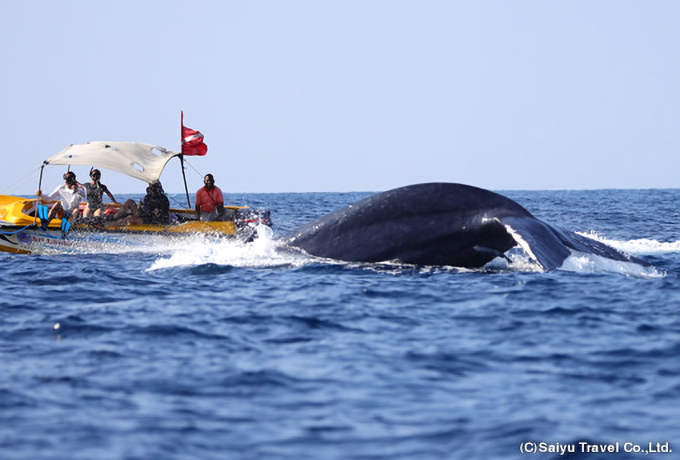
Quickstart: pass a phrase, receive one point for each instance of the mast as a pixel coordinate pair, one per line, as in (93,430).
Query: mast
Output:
(186,189)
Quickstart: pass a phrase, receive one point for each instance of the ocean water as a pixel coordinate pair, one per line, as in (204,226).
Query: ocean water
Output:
(210,349)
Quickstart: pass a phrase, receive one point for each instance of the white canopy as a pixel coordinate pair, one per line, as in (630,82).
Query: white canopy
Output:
(141,161)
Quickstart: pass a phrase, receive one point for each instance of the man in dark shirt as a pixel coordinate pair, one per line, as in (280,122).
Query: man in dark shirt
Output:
(155,207)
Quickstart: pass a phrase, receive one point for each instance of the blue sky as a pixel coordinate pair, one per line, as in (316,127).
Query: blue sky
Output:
(297,96)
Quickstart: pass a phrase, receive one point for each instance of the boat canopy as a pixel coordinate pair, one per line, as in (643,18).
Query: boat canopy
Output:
(141,161)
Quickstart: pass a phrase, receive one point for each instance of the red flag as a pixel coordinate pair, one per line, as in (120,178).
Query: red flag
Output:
(192,141)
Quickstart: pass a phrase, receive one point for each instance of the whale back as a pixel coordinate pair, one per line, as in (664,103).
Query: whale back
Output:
(431,224)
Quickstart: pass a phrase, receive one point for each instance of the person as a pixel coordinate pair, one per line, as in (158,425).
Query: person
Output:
(95,192)
(153,209)
(68,195)
(209,200)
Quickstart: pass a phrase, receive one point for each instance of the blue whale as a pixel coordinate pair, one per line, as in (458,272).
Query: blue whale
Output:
(441,224)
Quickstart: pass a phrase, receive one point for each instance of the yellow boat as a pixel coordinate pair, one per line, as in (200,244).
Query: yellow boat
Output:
(22,231)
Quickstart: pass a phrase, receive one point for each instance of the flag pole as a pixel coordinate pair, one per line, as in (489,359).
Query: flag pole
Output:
(186,189)
(181,160)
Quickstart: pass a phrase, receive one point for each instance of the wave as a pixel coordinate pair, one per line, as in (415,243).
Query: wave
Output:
(578,263)
(641,246)
(590,263)
(263,252)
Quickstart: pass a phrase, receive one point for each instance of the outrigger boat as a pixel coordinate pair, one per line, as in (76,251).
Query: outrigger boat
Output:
(22,231)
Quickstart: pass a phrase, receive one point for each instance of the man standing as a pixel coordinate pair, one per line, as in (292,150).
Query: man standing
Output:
(209,200)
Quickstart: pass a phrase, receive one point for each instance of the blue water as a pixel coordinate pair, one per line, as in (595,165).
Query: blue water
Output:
(202,349)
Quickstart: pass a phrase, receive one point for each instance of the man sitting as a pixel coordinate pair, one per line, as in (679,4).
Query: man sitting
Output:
(69,195)
(154,209)
(95,194)
(209,200)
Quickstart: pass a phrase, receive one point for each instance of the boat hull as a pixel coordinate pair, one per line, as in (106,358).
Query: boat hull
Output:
(35,240)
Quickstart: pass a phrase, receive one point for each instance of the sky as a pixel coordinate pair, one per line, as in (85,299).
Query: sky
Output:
(351,95)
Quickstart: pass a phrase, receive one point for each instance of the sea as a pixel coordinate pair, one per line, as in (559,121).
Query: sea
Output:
(201,348)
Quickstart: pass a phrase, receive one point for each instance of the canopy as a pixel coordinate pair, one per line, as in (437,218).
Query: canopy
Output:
(141,161)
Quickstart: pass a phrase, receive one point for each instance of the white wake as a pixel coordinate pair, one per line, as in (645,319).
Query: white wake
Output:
(263,252)
(637,247)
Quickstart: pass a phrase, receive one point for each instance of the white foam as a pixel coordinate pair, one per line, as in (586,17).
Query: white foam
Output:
(149,244)
(523,261)
(262,252)
(642,246)
(591,263)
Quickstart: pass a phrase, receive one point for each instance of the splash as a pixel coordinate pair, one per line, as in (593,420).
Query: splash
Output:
(263,252)
(642,246)
(103,244)
(590,263)
(577,262)
(517,260)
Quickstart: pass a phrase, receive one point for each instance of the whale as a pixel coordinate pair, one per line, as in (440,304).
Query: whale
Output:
(441,224)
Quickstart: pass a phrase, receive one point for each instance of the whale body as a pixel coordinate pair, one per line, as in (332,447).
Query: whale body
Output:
(441,224)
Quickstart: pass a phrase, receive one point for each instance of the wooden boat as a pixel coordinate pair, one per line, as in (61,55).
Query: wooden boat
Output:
(22,231)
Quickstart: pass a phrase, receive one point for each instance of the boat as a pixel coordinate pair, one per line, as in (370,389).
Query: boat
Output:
(22,231)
